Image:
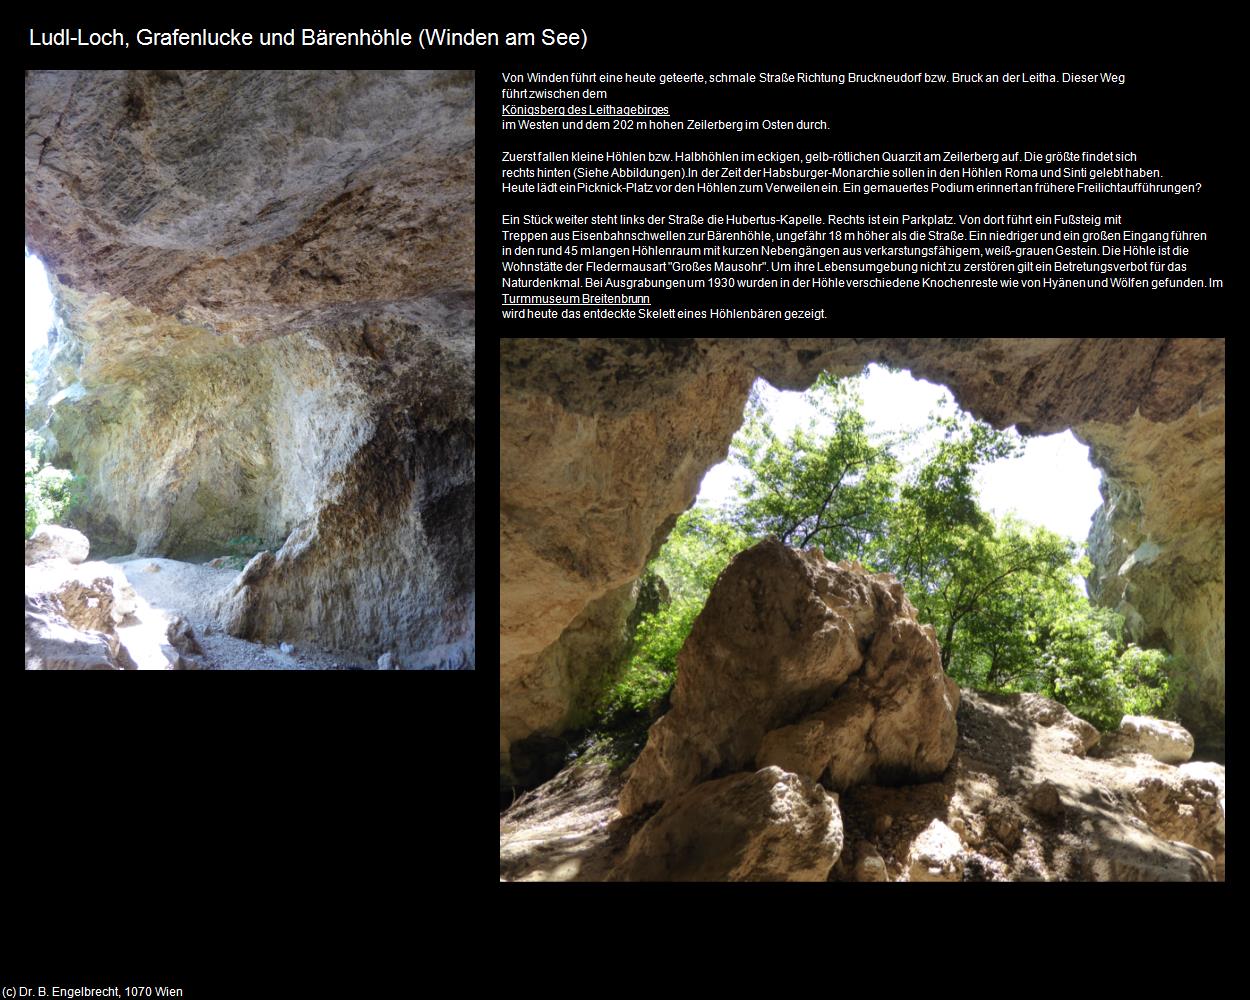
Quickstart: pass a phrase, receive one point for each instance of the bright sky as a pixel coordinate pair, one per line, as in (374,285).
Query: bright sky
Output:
(38,304)
(1051,484)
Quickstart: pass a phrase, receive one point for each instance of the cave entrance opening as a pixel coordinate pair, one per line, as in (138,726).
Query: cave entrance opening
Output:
(38,301)
(1050,482)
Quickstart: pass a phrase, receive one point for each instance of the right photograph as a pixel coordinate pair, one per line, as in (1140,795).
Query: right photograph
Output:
(871,610)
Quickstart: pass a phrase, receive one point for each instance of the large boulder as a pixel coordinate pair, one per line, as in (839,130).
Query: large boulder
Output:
(781,633)
(1064,731)
(1165,741)
(51,541)
(72,616)
(766,826)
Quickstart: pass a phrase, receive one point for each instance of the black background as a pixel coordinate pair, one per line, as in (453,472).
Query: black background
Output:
(210,822)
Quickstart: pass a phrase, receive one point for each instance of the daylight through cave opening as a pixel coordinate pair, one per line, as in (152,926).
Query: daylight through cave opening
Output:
(622,432)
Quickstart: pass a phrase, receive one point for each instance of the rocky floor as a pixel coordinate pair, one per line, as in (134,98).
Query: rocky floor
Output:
(1021,795)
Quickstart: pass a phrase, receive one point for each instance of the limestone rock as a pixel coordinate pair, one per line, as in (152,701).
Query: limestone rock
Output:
(1165,741)
(52,643)
(749,827)
(782,630)
(51,541)
(937,855)
(534,697)
(72,614)
(1157,548)
(1069,733)
(265,329)
(183,650)
(1188,805)
(1044,799)
(622,430)
(895,722)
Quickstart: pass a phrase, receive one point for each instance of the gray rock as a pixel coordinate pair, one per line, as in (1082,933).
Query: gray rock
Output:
(386,662)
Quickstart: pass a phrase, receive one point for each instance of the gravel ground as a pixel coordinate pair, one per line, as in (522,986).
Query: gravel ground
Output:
(192,590)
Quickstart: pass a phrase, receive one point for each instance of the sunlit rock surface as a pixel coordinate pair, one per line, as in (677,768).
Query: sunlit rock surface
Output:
(265,331)
(603,442)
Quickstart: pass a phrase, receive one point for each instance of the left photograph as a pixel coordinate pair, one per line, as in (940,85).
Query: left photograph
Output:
(249,370)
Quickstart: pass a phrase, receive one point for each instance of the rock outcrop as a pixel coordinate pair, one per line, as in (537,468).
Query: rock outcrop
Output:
(1187,805)
(620,432)
(264,294)
(766,826)
(533,703)
(1019,802)
(817,668)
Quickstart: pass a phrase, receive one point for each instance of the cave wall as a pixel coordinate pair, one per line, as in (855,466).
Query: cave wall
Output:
(265,327)
(604,442)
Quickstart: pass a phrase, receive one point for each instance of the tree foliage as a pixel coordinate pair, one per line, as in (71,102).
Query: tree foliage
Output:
(699,547)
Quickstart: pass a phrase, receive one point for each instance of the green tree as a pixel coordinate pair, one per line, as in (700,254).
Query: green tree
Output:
(699,548)
(937,514)
(1001,595)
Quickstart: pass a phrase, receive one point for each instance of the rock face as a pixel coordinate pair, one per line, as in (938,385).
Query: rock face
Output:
(1157,548)
(50,541)
(264,293)
(621,432)
(795,662)
(766,826)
